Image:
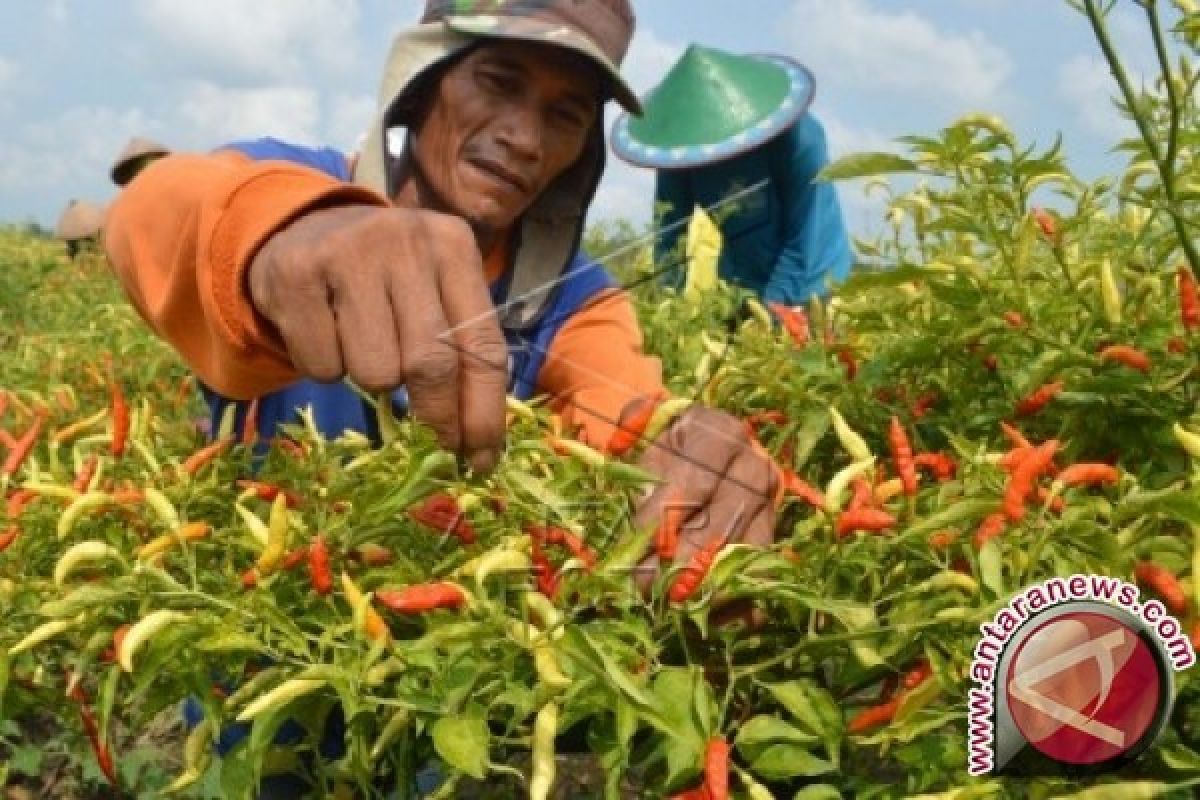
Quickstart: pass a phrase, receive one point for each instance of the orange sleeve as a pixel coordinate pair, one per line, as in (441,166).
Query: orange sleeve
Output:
(180,239)
(595,365)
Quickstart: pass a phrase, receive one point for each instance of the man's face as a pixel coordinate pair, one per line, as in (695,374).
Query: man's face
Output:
(503,123)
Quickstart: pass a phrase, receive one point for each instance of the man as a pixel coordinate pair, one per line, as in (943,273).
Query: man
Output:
(133,158)
(731,134)
(79,224)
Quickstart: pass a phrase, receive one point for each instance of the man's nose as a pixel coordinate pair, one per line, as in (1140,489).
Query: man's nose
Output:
(520,132)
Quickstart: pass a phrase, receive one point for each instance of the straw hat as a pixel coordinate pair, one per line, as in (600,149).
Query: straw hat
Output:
(137,150)
(711,106)
(80,220)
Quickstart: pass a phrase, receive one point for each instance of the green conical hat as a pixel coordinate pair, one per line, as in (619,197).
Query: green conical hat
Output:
(713,105)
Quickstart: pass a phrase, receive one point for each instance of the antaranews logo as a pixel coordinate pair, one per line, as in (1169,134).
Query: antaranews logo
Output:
(1072,674)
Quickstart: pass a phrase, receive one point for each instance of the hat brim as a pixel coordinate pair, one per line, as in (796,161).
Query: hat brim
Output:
(794,105)
(555,34)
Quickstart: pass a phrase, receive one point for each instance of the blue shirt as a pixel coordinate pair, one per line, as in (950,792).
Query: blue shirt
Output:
(782,241)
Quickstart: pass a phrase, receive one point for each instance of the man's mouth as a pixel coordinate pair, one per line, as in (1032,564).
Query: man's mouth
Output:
(501,174)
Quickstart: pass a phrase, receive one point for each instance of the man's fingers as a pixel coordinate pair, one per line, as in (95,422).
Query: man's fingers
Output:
(370,350)
(309,330)
(479,343)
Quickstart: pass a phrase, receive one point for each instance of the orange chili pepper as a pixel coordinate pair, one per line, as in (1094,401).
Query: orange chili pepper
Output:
(992,526)
(23,446)
(1189,301)
(197,460)
(1164,584)
(632,424)
(902,455)
(1089,475)
(422,597)
(1038,399)
(120,419)
(250,424)
(864,519)
(1128,356)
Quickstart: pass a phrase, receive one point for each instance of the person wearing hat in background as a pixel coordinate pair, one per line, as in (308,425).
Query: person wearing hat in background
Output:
(276,269)
(79,224)
(134,157)
(732,133)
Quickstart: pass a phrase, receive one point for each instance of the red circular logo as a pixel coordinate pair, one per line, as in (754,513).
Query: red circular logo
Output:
(1083,688)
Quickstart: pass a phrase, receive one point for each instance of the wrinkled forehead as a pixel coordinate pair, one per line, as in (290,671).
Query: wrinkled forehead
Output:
(545,63)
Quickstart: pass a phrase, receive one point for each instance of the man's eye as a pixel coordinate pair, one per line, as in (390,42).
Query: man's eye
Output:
(499,83)
(568,118)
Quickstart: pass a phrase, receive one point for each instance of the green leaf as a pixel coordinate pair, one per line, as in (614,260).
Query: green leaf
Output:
(768,729)
(864,165)
(463,743)
(818,791)
(814,708)
(991,567)
(782,761)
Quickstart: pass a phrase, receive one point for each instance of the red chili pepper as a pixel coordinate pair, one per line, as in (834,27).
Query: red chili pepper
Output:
(716,768)
(992,526)
(1036,401)
(795,322)
(862,494)
(773,417)
(3,402)
(1177,345)
(250,578)
(864,519)
(373,555)
(1089,475)
(846,356)
(924,403)
(692,575)
(1057,504)
(7,440)
(269,491)
(552,534)
(1020,484)
(294,558)
(796,486)
(319,573)
(543,570)
(197,460)
(291,447)
(1128,356)
(120,419)
(1164,584)
(990,363)
(902,456)
(666,537)
(250,424)
(873,716)
(86,471)
(17,501)
(632,424)
(941,465)
(1015,436)
(920,673)
(1047,223)
(1189,300)
(942,539)
(23,447)
(698,793)
(9,536)
(1014,319)
(422,597)
(440,511)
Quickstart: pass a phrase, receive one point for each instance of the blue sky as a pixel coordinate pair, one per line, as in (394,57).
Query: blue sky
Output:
(78,77)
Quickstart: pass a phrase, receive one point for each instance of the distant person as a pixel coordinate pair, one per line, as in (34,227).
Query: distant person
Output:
(721,124)
(79,224)
(136,156)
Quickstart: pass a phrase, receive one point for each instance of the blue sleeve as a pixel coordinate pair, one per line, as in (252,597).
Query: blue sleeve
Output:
(673,200)
(325,159)
(816,244)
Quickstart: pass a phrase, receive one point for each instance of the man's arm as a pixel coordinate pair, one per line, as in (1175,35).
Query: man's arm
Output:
(181,238)
(673,199)
(816,244)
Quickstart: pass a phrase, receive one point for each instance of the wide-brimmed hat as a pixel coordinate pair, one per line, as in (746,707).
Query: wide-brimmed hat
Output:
(549,232)
(79,220)
(136,150)
(713,105)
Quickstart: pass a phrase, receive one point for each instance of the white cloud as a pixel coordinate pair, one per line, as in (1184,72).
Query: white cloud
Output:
(1088,88)
(266,40)
(649,58)
(854,43)
(625,192)
(348,118)
(8,71)
(216,114)
(57,11)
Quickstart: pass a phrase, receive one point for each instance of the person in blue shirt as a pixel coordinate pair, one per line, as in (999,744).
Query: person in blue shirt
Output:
(732,135)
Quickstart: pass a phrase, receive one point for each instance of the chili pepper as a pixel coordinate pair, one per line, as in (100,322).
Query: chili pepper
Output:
(319,573)
(942,539)
(887,490)
(1057,504)
(902,456)
(86,472)
(840,480)
(277,530)
(1188,440)
(990,362)
(373,555)
(920,673)
(1110,295)
(1015,436)
(543,571)
(205,455)
(7,440)
(440,511)
(280,696)
(22,447)
(941,465)
(120,419)
(1014,319)
(697,568)
(249,579)
(269,491)
(291,447)
(1177,345)
(142,631)
(1047,223)
(864,519)
(192,532)
(862,494)
(992,526)
(1020,483)
(760,418)
(632,423)
(851,441)
(8,536)
(161,506)
(422,597)
(250,424)
(367,619)
(197,753)
(846,356)
(873,716)
(555,535)
(541,774)
(796,486)
(17,501)
(64,435)
(1164,584)
(42,633)
(1089,475)
(81,554)
(666,539)
(1128,356)
(572,448)
(795,322)
(1038,399)
(924,403)
(1189,300)
(716,768)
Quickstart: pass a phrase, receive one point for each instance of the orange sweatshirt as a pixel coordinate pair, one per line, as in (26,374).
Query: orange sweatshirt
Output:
(182,236)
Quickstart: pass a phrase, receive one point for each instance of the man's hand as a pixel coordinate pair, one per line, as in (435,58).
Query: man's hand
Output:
(372,293)
(724,485)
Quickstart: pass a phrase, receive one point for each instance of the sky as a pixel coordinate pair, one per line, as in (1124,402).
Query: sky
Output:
(79,77)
